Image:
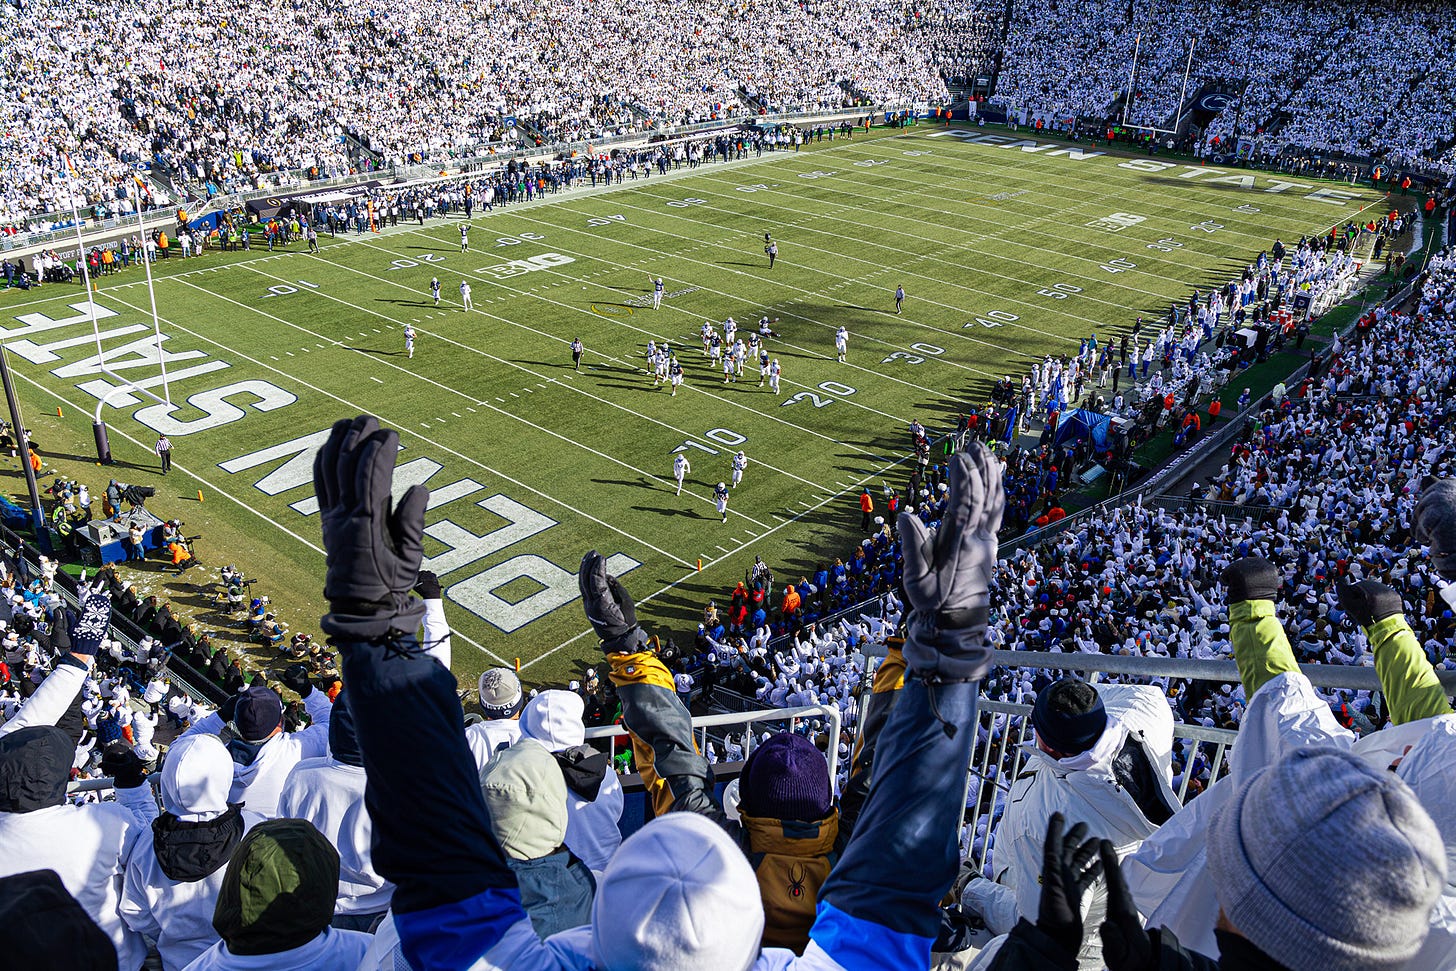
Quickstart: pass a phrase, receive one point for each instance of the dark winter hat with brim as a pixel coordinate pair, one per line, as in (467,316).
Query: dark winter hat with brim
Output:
(45,927)
(279,889)
(258,713)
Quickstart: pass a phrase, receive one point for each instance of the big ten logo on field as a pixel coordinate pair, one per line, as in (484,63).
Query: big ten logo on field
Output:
(544,261)
(509,594)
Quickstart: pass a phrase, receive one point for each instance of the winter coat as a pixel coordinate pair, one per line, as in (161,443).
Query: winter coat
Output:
(556,890)
(87,846)
(1168,875)
(259,774)
(490,736)
(330,794)
(593,805)
(1120,788)
(51,700)
(333,950)
(791,861)
(176,868)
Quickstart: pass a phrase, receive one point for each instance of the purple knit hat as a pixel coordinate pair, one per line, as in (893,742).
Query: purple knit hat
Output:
(786,778)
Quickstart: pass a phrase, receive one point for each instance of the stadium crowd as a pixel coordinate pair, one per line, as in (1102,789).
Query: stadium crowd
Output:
(210,97)
(510,852)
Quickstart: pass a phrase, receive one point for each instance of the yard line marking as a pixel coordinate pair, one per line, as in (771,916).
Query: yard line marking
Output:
(437,445)
(572,375)
(249,507)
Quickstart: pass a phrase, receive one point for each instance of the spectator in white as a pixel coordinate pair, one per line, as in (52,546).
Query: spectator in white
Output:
(263,753)
(1102,757)
(329,792)
(501,699)
(276,901)
(1274,852)
(86,845)
(594,797)
(526,795)
(176,868)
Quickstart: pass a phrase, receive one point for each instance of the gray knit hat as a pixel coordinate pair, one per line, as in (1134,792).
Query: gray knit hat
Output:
(500,693)
(1327,864)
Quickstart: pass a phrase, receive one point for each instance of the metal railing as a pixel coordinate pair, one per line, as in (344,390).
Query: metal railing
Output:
(790,716)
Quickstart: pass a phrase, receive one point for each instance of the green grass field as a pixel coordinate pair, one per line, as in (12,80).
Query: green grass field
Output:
(1007,250)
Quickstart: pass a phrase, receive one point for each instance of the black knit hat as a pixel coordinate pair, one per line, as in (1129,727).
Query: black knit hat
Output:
(1064,731)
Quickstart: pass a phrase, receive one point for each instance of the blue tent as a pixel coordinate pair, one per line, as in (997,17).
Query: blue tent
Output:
(1080,423)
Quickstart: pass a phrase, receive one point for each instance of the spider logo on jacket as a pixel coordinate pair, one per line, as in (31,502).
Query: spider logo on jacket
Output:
(797,876)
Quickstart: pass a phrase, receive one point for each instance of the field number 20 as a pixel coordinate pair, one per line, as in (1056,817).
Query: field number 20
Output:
(829,387)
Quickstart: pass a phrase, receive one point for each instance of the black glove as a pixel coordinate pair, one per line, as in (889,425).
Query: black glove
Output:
(1369,601)
(1126,946)
(609,608)
(229,709)
(1435,525)
(948,576)
(123,765)
(295,678)
(1065,876)
(427,585)
(1251,578)
(374,551)
(61,630)
(89,629)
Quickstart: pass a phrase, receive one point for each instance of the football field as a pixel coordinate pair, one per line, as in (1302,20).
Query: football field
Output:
(1008,248)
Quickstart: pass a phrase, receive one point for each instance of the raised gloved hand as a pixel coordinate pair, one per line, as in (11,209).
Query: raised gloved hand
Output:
(1369,601)
(61,630)
(123,765)
(1068,867)
(374,547)
(1435,525)
(609,607)
(89,629)
(1126,945)
(295,678)
(948,576)
(1251,578)
(427,585)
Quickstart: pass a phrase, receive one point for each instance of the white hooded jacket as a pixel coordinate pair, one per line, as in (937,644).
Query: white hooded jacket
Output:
(258,783)
(1084,789)
(1168,875)
(177,914)
(330,794)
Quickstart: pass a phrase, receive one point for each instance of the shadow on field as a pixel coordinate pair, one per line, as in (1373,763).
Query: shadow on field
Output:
(405,303)
(639,482)
(375,352)
(740,263)
(89,459)
(664,511)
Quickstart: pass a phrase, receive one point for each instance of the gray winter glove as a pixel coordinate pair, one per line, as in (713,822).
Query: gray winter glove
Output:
(948,576)
(374,551)
(89,629)
(1251,578)
(1369,601)
(609,607)
(1435,525)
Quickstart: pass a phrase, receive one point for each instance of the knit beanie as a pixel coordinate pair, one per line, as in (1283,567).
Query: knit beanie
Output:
(279,889)
(500,693)
(786,778)
(1277,848)
(259,711)
(679,893)
(526,795)
(1062,731)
